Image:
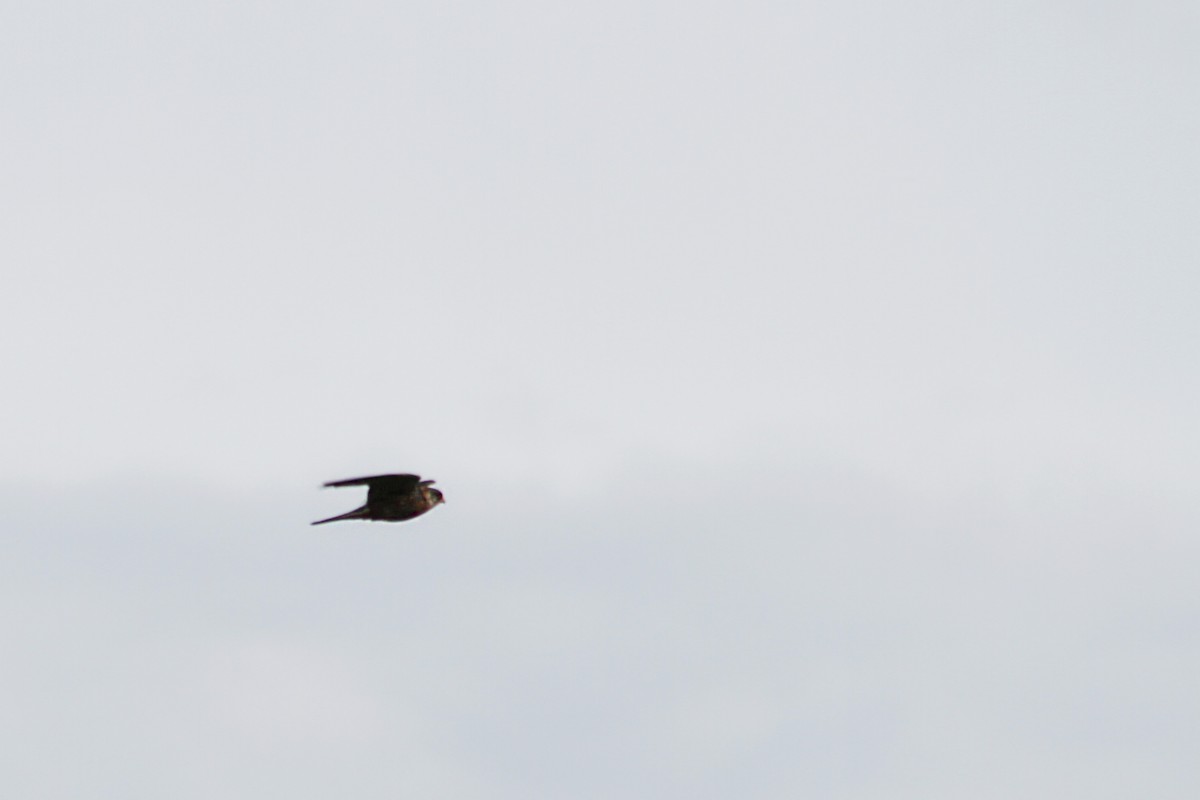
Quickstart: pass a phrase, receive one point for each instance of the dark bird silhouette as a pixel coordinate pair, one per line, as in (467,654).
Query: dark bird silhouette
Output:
(392,498)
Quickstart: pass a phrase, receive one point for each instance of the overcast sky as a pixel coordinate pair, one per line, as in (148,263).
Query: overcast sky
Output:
(813,388)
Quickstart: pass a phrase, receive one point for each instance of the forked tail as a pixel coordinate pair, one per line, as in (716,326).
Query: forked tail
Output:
(358,513)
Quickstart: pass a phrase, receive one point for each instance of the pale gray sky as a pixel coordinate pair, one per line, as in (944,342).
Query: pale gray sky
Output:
(813,388)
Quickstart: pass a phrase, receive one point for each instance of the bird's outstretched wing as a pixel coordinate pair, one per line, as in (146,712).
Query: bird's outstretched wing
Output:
(382,487)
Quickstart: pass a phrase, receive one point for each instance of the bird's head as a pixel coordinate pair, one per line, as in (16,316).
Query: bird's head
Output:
(432,496)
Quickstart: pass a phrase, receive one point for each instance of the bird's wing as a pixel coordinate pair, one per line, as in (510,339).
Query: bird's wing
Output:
(382,486)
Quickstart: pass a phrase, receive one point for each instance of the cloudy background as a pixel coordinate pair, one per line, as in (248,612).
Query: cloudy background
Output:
(813,387)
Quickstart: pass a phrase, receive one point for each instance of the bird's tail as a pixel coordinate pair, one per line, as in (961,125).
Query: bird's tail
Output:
(358,513)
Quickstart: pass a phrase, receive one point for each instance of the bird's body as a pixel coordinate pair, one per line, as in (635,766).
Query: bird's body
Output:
(391,498)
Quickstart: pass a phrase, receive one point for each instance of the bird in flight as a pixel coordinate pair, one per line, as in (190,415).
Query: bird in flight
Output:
(393,498)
